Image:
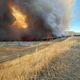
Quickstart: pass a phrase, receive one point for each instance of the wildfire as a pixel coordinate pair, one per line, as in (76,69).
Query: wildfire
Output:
(21,19)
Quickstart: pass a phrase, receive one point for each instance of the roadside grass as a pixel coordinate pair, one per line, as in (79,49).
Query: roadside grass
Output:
(29,66)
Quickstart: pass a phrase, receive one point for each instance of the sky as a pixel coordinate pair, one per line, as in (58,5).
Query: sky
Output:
(75,23)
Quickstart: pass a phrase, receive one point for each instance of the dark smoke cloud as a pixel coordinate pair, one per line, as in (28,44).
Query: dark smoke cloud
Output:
(45,18)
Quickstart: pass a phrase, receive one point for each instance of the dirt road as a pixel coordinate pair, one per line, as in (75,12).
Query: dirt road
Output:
(13,50)
(10,52)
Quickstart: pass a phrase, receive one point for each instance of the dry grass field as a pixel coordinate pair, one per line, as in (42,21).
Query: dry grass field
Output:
(54,60)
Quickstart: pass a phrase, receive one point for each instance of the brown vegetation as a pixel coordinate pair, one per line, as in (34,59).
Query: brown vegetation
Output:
(58,60)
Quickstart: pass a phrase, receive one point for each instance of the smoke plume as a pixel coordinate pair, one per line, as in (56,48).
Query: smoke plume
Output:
(44,19)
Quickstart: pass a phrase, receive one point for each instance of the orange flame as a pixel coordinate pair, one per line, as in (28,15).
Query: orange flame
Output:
(21,19)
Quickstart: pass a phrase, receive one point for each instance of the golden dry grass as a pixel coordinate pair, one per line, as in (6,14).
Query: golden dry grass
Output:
(49,63)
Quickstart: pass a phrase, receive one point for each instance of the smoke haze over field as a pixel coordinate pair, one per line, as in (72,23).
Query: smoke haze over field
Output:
(45,18)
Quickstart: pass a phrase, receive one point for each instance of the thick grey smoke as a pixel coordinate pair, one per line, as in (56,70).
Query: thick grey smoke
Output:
(45,17)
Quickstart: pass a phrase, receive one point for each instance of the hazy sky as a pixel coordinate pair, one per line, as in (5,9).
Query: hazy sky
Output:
(75,24)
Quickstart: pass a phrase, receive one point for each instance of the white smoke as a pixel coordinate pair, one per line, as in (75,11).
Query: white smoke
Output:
(45,16)
(55,13)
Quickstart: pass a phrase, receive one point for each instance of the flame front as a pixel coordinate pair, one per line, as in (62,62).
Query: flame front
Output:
(21,19)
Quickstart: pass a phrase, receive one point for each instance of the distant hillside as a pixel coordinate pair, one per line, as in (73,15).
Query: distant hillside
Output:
(72,33)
